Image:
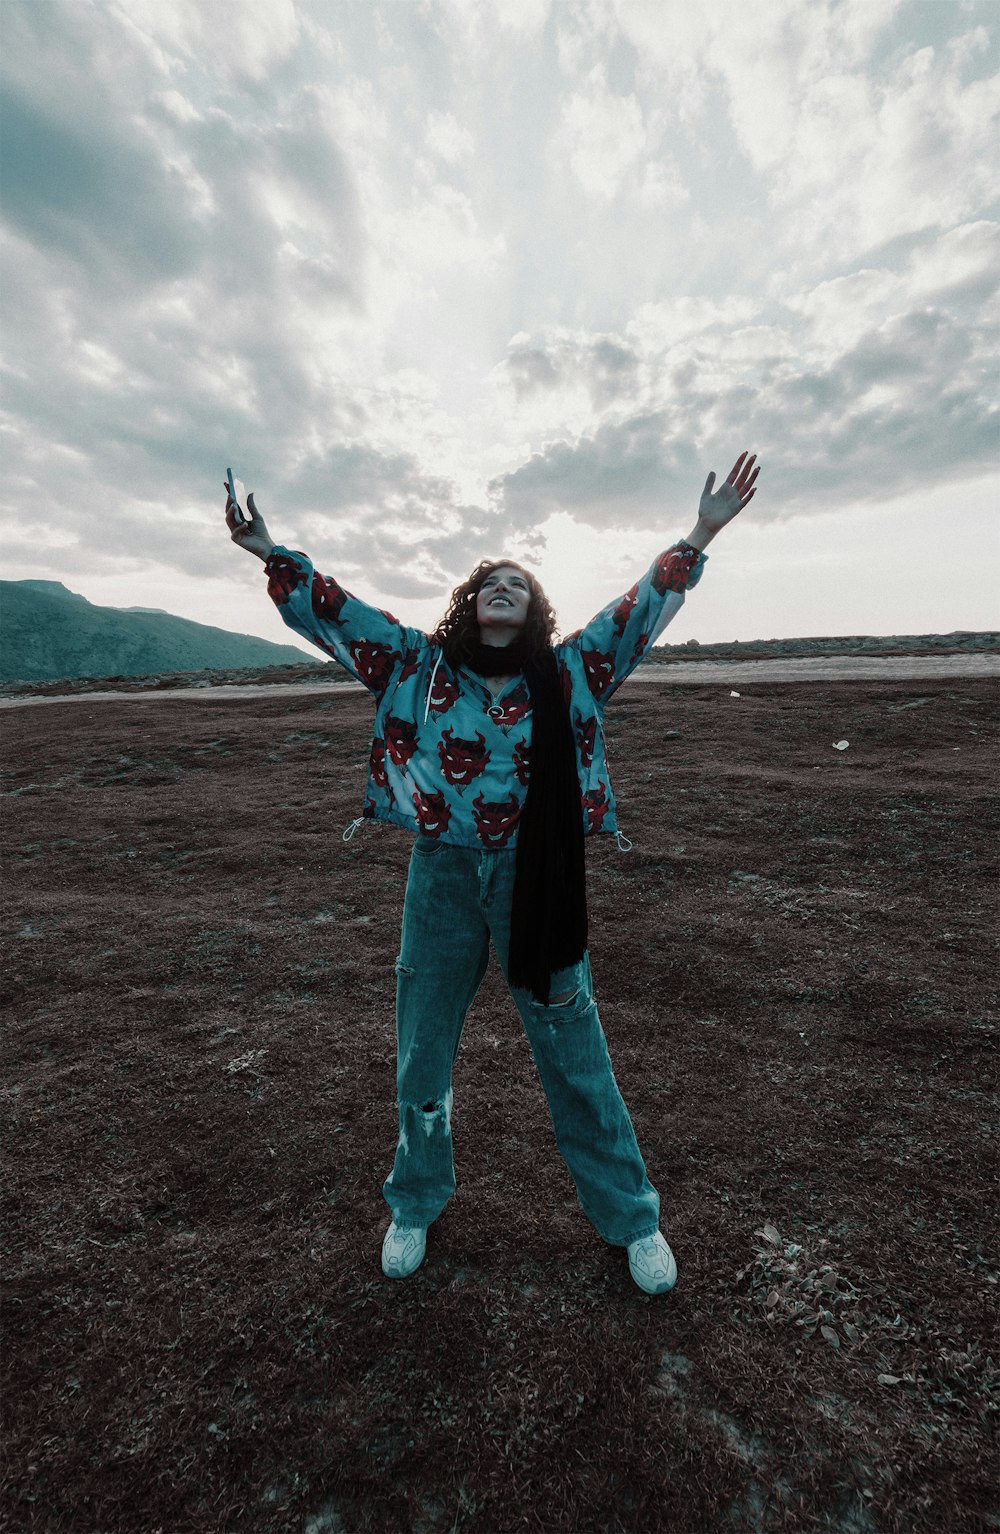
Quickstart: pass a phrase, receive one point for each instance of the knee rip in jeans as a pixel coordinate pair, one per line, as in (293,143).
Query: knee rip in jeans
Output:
(562,1001)
(403,969)
(433,1112)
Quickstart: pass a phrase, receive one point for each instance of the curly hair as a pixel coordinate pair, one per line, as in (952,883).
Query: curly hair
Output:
(459,628)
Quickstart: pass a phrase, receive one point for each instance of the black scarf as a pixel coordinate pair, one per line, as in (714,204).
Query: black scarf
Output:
(548,922)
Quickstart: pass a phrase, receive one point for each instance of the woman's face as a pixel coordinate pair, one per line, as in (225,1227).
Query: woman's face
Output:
(502,605)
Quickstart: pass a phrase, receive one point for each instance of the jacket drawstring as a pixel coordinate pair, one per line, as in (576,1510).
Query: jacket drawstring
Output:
(621,837)
(430,686)
(353,827)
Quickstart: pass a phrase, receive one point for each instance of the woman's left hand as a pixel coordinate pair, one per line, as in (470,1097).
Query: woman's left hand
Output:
(714,511)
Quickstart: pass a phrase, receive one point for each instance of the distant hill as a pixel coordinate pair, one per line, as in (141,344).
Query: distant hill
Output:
(960,642)
(48,631)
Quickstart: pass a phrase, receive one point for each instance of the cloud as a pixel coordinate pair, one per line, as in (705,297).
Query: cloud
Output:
(620,475)
(477,26)
(921,145)
(810,90)
(669,321)
(78,184)
(859,388)
(448,139)
(960,268)
(246,38)
(601,137)
(605,364)
(184,274)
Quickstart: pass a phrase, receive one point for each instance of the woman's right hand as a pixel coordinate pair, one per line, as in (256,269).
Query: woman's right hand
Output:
(252,536)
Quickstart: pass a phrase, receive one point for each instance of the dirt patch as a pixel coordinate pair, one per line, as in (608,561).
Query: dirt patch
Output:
(795,971)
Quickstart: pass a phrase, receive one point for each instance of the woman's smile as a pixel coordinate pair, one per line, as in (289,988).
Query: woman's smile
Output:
(502,605)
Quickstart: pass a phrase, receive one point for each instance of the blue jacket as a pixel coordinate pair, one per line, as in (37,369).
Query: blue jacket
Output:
(447,758)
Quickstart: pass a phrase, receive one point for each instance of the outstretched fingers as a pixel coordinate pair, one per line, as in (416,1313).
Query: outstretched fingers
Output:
(738,474)
(742,477)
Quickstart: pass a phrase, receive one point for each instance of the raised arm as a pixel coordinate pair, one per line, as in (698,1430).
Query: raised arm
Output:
(370,643)
(613,643)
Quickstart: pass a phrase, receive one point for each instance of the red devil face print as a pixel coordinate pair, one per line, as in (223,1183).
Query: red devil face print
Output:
(373,663)
(283,577)
(433,814)
(462,760)
(400,739)
(513,710)
(444,693)
(376,762)
(672,570)
(639,651)
(595,806)
(624,609)
(410,665)
(522,763)
(328,597)
(599,670)
(495,823)
(586,730)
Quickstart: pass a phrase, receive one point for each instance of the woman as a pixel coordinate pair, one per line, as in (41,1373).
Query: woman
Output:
(489,745)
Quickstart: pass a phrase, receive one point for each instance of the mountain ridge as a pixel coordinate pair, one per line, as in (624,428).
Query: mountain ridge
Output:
(48,632)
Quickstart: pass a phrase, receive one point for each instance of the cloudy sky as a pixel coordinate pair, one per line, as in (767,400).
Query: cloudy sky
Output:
(449,279)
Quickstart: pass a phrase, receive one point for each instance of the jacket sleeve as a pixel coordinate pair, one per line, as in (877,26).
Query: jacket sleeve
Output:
(367,641)
(612,644)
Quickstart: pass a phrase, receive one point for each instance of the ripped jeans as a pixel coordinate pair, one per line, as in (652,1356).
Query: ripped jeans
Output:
(457,899)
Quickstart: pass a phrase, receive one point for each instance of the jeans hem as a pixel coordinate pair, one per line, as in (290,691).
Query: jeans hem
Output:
(641,1235)
(413,1222)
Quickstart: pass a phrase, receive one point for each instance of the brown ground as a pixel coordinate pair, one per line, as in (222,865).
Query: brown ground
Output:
(794,970)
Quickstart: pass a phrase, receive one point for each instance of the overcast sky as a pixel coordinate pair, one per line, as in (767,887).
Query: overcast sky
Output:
(455,279)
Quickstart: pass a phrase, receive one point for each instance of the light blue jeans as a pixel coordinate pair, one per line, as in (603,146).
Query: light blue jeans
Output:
(457,900)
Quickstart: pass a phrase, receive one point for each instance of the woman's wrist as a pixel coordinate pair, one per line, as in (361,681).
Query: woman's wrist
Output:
(702,536)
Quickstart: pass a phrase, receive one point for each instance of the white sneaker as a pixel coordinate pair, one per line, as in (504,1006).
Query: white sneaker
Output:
(652,1265)
(403,1250)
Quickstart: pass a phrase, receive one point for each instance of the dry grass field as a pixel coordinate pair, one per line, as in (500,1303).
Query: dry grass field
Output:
(795,969)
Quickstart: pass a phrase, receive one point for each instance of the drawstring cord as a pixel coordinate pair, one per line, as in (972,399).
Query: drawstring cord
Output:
(430,685)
